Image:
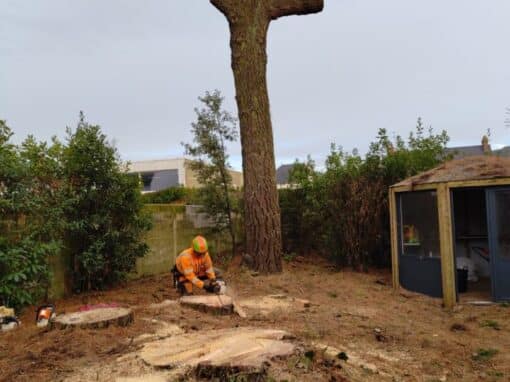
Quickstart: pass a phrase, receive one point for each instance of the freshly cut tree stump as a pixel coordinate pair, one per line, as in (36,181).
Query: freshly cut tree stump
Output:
(94,319)
(219,353)
(212,303)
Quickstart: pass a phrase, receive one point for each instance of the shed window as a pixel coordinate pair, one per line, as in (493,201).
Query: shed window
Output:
(419,224)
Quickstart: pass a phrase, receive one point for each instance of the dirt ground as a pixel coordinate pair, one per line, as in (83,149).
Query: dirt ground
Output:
(386,335)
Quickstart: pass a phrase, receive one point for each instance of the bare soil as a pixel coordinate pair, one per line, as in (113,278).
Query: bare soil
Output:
(385,335)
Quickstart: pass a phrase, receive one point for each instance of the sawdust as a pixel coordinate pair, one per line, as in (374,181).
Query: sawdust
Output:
(164,330)
(346,309)
(266,305)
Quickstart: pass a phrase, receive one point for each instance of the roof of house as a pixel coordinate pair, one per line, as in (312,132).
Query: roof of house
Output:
(465,151)
(156,165)
(468,168)
(282,173)
(504,152)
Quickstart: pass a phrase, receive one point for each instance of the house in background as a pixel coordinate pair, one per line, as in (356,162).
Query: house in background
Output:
(161,174)
(282,175)
(483,149)
(468,151)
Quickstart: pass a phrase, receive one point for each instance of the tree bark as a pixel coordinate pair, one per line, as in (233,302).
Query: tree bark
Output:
(249,22)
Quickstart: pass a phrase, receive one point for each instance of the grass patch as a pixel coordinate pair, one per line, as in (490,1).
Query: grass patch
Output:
(484,354)
(505,304)
(490,324)
(300,363)
(332,294)
(288,257)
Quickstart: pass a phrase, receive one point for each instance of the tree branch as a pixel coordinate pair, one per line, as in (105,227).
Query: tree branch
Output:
(280,8)
(223,6)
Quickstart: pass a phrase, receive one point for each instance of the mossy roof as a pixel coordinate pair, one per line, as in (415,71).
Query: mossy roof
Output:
(465,169)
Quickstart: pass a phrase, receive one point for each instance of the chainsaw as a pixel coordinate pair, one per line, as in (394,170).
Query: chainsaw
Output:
(44,314)
(218,287)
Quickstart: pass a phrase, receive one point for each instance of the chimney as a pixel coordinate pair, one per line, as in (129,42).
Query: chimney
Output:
(485,145)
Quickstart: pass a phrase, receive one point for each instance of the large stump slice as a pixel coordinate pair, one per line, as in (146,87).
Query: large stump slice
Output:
(219,352)
(94,319)
(277,303)
(215,304)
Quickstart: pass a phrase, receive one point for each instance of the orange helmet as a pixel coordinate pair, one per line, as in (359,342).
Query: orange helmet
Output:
(199,244)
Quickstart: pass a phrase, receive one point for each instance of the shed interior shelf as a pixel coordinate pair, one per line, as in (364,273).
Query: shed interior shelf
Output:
(472,237)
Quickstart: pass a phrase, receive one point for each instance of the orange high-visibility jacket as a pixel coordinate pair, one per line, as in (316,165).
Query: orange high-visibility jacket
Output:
(193,266)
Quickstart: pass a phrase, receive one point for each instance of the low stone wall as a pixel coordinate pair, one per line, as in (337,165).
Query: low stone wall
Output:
(173,229)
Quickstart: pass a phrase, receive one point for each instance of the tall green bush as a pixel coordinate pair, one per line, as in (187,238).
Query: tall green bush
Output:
(342,212)
(30,217)
(103,211)
(75,197)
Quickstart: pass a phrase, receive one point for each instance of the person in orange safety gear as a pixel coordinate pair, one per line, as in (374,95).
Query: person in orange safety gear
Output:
(193,267)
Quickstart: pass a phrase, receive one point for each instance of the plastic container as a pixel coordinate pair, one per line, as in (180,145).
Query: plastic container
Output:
(462,280)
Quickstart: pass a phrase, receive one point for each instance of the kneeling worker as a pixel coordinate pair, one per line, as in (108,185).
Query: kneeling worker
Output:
(193,267)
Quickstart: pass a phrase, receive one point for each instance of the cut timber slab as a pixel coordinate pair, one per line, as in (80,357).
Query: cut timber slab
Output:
(265,305)
(219,351)
(94,319)
(212,303)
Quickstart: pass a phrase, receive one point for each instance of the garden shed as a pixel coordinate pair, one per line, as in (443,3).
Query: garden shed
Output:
(450,231)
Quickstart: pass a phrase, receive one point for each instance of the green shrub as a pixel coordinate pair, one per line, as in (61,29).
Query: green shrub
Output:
(30,217)
(75,198)
(490,324)
(483,355)
(342,212)
(169,195)
(103,212)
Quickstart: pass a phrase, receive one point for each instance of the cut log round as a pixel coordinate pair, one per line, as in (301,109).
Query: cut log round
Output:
(219,352)
(94,319)
(215,304)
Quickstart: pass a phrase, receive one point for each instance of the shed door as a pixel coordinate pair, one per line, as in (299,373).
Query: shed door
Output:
(419,253)
(498,201)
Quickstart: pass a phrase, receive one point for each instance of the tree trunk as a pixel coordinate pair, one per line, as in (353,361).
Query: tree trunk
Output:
(249,22)
(262,212)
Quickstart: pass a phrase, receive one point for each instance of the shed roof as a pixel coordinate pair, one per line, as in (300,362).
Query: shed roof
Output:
(464,169)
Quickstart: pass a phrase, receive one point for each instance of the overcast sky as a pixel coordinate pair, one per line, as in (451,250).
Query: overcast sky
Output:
(136,67)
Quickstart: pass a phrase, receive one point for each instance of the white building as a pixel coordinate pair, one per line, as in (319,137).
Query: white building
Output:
(160,174)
